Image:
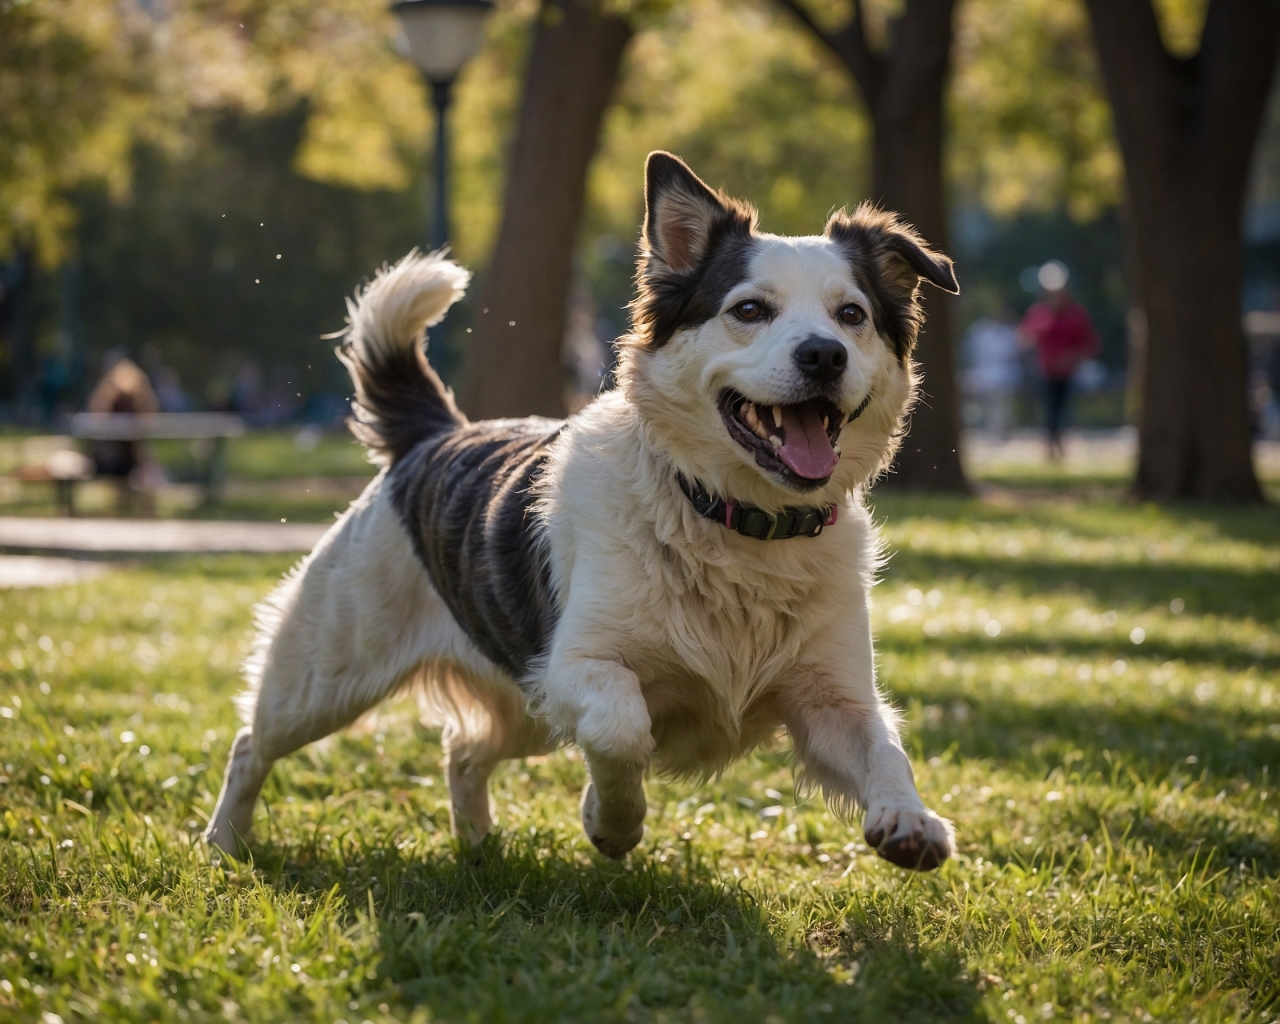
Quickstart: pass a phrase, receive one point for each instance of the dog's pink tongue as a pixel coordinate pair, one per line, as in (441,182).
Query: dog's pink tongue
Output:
(806,448)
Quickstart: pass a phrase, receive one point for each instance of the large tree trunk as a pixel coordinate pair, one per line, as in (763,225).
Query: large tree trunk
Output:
(1187,129)
(903,88)
(513,364)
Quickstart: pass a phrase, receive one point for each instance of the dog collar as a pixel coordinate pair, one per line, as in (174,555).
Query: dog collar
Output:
(756,522)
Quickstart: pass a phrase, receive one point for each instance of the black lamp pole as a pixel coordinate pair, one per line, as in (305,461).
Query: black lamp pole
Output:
(439,36)
(438,231)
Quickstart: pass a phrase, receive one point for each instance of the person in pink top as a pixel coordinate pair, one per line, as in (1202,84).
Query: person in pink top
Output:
(1060,330)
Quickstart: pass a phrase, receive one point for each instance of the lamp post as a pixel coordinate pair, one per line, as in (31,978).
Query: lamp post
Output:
(440,36)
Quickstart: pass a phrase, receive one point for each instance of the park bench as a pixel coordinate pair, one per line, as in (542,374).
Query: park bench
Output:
(66,469)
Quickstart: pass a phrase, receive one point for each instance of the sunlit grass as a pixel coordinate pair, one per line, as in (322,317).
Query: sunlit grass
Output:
(1091,692)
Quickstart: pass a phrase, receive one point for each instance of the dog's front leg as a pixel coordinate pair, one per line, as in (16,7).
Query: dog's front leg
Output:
(600,705)
(852,749)
(846,738)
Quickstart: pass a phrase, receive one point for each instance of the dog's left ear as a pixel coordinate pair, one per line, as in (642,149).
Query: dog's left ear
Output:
(899,256)
(682,214)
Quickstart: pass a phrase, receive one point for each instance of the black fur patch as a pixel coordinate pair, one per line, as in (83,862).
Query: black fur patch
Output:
(671,302)
(465,497)
(399,400)
(888,259)
(670,299)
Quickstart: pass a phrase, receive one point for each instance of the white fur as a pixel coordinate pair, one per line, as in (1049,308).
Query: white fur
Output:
(391,311)
(680,645)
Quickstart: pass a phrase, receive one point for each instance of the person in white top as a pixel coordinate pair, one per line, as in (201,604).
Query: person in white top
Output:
(993,370)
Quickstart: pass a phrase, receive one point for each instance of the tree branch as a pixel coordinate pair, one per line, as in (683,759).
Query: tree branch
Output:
(849,44)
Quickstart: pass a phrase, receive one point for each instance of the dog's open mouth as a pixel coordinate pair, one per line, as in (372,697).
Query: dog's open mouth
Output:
(798,442)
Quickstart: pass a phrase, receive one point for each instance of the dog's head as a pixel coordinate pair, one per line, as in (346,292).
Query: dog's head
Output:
(771,368)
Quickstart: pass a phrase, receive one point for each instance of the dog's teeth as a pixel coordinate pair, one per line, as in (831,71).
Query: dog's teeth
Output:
(777,416)
(825,424)
(753,421)
(775,440)
(836,448)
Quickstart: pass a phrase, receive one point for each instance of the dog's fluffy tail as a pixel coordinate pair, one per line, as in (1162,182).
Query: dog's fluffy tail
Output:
(399,398)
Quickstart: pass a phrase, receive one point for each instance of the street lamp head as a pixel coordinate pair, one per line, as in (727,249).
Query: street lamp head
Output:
(440,35)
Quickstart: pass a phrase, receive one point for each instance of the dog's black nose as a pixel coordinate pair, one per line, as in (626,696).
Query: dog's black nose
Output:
(821,359)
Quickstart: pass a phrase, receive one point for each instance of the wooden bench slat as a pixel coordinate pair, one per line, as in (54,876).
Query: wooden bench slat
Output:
(99,426)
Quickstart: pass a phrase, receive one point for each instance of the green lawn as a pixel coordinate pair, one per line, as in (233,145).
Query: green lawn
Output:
(1091,691)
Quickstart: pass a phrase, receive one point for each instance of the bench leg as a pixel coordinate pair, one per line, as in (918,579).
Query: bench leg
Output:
(215,474)
(66,495)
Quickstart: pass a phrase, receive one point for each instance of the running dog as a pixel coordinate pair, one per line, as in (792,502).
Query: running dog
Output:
(664,579)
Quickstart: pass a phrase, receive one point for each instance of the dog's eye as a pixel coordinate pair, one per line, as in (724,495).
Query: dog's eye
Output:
(851,314)
(749,309)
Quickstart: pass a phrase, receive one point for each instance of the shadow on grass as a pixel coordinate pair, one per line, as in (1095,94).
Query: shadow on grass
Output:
(533,932)
(1055,507)
(1206,590)
(976,645)
(1182,742)
(1154,740)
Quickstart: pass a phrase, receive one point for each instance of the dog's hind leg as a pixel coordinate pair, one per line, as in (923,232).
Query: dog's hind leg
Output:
(282,724)
(483,722)
(352,624)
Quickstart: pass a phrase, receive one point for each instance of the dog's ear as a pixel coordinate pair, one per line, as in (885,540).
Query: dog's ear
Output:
(901,259)
(681,213)
(890,259)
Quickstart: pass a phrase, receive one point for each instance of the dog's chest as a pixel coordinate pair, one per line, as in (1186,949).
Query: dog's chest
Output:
(728,625)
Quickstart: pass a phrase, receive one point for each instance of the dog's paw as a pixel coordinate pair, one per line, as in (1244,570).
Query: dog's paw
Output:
(614,843)
(221,835)
(916,839)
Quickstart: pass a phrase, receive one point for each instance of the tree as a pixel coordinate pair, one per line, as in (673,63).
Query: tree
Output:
(1187,128)
(903,86)
(513,362)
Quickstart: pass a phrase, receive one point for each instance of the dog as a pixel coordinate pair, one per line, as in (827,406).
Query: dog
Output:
(665,579)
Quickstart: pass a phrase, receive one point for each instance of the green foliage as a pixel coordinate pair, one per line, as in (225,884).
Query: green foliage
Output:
(748,99)
(71,94)
(742,94)
(1031,129)
(1181,22)
(85,81)
(231,255)
(1114,801)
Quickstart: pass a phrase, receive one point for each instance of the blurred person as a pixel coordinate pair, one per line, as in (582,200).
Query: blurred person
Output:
(994,369)
(124,390)
(169,391)
(246,390)
(1060,331)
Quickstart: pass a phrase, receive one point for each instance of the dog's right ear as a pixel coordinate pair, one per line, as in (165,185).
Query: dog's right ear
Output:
(681,213)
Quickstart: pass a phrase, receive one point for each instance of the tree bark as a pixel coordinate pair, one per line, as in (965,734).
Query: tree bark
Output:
(903,89)
(1187,129)
(513,363)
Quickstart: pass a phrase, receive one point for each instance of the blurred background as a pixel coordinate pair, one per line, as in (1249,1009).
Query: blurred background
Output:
(196,185)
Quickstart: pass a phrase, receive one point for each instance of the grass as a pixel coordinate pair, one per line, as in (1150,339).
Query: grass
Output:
(1091,692)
